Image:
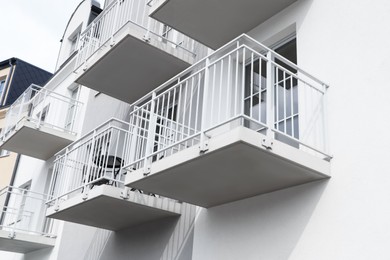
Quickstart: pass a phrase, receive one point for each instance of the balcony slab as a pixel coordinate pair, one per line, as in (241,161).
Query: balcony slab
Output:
(24,243)
(105,208)
(236,166)
(215,23)
(133,66)
(39,142)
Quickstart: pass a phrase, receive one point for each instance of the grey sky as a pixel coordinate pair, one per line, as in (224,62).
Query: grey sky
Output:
(32,29)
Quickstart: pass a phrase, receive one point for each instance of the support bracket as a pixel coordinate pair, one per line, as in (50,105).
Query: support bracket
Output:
(125,193)
(267,143)
(204,147)
(12,234)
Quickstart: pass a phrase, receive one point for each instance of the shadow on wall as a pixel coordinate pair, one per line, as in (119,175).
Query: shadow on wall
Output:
(143,242)
(264,227)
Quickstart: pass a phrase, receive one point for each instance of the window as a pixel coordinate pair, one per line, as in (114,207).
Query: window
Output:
(3,152)
(2,89)
(22,217)
(73,40)
(286,94)
(43,114)
(73,43)
(165,31)
(71,115)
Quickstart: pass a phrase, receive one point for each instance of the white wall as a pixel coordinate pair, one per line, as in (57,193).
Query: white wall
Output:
(77,23)
(344,43)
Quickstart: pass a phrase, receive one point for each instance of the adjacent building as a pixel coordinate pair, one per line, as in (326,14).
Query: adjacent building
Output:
(197,129)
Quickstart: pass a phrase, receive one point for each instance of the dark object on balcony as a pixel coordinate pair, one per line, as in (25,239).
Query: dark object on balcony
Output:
(106,163)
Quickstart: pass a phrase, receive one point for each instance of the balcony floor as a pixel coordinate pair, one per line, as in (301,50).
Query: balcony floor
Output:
(24,243)
(235,167)
(41,143)
(132,67)
(215,23)
(104,208)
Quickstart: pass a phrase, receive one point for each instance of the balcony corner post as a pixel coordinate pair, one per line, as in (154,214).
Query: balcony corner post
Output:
(112,41)
(325,119)
(151,135)
(57,205)
(203,145)
(270,96)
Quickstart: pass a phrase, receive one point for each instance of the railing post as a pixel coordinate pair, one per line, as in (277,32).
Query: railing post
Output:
(146,36)
(21,107)
(54,176)
(270,96)
(151,135)
(43,106)
(203,146)
(112,42)
(88,171)
(325,120)
(88,45)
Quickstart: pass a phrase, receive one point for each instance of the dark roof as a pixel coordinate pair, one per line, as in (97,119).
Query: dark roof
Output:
(24,75)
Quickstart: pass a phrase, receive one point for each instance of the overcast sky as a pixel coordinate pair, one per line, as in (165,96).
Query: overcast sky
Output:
(31,29)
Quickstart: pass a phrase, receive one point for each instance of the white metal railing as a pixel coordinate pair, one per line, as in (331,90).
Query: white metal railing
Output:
(42,107)
(121,12)
(23,211)
(244,83)
(95,159)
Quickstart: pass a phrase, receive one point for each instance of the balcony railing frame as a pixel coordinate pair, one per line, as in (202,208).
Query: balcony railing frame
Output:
(207,100)
(118,14)
(239,46)
(12,215)
(38,97)
(77,168)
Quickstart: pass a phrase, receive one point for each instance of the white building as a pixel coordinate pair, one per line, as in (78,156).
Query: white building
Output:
(146,144)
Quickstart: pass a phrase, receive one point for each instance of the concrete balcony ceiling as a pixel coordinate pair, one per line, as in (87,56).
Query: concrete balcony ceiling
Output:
(106,207)
(214,22)
(236,166)
(130,69)
(39,142)
(24,243)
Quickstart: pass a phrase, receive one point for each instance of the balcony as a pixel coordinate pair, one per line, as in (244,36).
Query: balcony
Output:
(40,123)
(23,226)
(215,23)
(125,54)
(87,184)
(242,122)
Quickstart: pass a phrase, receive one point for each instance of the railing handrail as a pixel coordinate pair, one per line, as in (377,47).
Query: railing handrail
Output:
(216,52)
(39,88)
(9,189)
(288,62)
(105,123)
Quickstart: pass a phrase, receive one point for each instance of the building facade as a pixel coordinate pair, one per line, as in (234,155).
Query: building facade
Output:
(205,130)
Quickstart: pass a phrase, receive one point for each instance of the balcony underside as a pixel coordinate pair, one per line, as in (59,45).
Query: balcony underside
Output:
(214,23)
(24,243)
(235,167)
(105,208)
(41,143)
(132,67)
